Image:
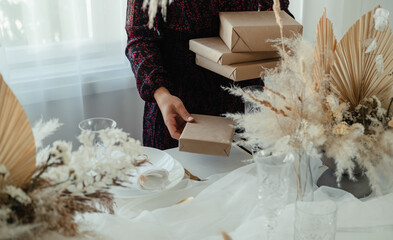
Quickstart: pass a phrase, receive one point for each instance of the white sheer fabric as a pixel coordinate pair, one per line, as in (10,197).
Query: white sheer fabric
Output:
(229,203)
(52,49)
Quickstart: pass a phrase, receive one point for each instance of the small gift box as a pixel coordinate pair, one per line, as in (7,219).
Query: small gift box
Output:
(248,31)
(214,49)
(207,135)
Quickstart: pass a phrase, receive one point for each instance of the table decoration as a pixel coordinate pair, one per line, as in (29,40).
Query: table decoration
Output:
(46,191)
(330,100)
(66,183)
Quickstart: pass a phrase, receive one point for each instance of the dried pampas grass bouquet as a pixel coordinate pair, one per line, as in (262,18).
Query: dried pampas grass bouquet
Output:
(332,99)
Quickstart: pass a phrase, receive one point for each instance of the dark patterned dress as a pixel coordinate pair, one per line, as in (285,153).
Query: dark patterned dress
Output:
(161,57)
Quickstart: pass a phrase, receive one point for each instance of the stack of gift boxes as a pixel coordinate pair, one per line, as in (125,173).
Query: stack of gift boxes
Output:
(243,50)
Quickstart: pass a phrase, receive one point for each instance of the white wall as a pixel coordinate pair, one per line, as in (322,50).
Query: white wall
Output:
(343,13)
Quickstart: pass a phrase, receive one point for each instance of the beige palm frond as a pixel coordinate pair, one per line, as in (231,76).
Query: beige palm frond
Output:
(325,45)
(355,74)
(17,146)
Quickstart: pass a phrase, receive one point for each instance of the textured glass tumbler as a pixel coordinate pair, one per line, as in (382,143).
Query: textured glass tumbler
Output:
(315,220)
(95,125)
(273,183)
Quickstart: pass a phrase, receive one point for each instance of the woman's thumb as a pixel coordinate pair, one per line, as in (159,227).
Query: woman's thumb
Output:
(185,114)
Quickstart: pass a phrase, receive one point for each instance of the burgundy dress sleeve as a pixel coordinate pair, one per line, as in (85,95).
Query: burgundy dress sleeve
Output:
(143,50)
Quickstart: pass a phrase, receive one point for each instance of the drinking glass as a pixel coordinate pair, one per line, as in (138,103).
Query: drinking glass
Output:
(315,220)
(273,184)
(95,125)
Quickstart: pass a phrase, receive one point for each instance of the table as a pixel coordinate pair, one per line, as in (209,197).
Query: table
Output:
(203,165)
(227,201)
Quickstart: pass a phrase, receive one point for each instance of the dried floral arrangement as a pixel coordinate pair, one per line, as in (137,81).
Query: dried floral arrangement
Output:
(46,190)
(333,99)
(64,183)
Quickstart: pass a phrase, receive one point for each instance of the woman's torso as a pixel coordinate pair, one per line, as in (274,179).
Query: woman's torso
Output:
(200,89)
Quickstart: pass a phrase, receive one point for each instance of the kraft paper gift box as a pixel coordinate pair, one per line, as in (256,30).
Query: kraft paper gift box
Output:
(248,31)
(207,135)
(238,71)
(214,49)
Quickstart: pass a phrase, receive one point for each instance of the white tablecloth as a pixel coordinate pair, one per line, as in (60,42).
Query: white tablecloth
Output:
(228,202)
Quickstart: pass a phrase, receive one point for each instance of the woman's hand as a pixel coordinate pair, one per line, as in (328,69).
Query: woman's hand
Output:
(173,111)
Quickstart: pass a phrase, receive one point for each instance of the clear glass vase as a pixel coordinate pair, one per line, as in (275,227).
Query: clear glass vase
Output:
(303,175)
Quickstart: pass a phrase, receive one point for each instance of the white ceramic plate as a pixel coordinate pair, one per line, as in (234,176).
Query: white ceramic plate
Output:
(159,159)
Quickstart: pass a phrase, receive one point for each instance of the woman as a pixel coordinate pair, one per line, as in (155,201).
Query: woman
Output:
(168,80)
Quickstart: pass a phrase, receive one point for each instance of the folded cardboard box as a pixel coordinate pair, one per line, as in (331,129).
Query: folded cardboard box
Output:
(238,71)
(214,49)
(207,135)
(248,31)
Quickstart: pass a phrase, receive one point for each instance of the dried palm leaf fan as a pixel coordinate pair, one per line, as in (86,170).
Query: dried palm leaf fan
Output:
(325,46)
(17,146)
(355,74)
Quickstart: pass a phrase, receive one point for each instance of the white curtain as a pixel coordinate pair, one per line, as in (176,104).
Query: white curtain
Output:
(53,49)
(343,13)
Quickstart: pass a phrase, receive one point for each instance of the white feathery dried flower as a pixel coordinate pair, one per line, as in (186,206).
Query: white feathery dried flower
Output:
(4,171)
(357,129)
(153,9)
(338,116)
(276,9)
(316,133)
(71,188)
(4,214)
(341,129)
(75,191)
(90,190)
(390,123)
(86,138)
(338,112)
(371,46)
(64,150)
(336,108)
(17,194)
(88,181)
(62,146)
(333,102)
(88,175)
(42,129)
(381,18)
